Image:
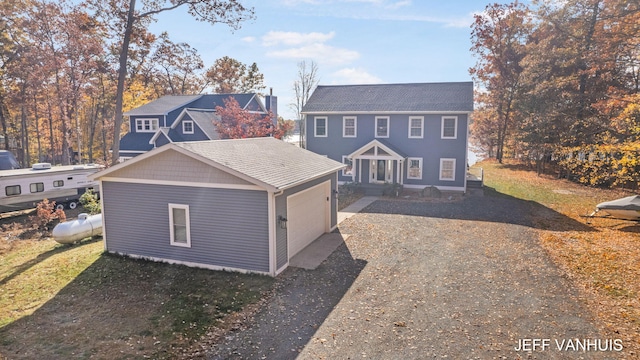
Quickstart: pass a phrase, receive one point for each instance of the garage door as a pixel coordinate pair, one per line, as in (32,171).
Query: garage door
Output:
(307,213)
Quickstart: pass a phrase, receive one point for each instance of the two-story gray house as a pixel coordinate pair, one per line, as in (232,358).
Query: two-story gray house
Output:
(410,134)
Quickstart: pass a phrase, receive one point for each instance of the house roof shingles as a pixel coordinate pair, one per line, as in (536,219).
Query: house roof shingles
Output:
(204,118)
(163,105)
(388,98)
(270,161)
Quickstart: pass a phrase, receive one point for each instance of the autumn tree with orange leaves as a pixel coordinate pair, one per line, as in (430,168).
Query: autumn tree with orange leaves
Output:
(560,79)
(237,123)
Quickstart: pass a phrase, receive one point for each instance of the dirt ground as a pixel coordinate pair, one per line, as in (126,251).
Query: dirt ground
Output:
(465,279)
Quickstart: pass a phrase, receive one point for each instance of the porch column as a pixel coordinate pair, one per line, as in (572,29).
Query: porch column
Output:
(401,172)
(354,168)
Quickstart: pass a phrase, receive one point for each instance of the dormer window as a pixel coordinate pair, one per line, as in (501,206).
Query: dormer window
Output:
(146,125)
(187,127)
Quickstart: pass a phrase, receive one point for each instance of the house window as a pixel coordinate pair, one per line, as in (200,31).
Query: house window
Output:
(449,127)
(348,171)
(414,168)
(12,190)
(416,127)
(349,126)
(36,187)
(382,126)
(448,169)
(179,225)
(187,127)
(58,183)
(320,127)
(146,125)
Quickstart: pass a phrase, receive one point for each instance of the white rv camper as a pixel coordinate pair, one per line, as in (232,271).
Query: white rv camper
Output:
(24,188)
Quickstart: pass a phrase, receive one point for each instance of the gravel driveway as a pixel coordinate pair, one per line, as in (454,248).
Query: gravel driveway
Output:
(415,281)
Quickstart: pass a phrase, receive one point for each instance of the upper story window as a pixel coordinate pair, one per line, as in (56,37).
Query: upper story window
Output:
(349,126)
(146,125)
(449,127)
(187,127)
(416,127)
(382,127)
(320,127)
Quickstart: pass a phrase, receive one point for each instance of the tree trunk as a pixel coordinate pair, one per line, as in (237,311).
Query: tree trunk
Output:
(35,113)
(122,75)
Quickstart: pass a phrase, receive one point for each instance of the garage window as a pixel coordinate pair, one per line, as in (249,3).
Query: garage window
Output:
(179,223)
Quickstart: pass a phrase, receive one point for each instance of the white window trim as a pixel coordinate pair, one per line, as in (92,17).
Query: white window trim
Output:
(184,131)
(455,127)
(421,118)
(188,224)
(375,128)
(343,170)
(315,126)
(409,168)
(344,126)
(442,160)
(152,121)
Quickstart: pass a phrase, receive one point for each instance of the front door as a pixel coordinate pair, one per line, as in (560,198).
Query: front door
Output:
(381,172)
(378,171)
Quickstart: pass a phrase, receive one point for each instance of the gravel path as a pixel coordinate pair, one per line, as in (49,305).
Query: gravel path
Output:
(413,281)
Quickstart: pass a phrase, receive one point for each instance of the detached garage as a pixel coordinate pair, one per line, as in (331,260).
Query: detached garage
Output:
(244,205)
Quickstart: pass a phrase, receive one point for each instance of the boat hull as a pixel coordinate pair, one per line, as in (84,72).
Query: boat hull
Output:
(623,214)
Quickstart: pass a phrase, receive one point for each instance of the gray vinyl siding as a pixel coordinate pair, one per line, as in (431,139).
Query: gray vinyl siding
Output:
(431,148)
(229,228)
(281,209)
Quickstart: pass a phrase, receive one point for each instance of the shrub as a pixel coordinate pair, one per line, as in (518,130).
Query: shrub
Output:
(90,202)
(47,216)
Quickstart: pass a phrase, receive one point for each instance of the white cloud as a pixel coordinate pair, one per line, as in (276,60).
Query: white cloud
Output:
(295,45)
(354,76)
(249,39)
(321,53)
(291,38)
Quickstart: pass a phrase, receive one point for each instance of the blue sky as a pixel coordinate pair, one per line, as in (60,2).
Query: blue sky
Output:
(352,41)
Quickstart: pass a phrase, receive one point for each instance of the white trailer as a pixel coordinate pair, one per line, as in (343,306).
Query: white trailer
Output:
(24,188)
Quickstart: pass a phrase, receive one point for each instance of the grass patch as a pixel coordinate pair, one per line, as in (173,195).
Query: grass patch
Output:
(60,301)
(603,260)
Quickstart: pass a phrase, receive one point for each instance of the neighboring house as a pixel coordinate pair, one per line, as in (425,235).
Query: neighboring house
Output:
(246,205)
(410,134)
(178,118)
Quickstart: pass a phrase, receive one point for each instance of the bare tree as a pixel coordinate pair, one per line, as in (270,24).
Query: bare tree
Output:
(303,87)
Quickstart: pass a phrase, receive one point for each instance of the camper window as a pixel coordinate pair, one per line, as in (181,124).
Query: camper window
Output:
(58,183)
(12,190)
(36,187)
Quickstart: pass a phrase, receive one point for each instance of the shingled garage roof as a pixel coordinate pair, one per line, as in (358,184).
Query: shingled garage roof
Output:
(418,97)
(270,161)
(267,162)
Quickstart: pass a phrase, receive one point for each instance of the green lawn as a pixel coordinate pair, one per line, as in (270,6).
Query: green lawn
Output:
(76,301)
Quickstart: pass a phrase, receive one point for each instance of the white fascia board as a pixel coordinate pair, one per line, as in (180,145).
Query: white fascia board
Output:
(182,183)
